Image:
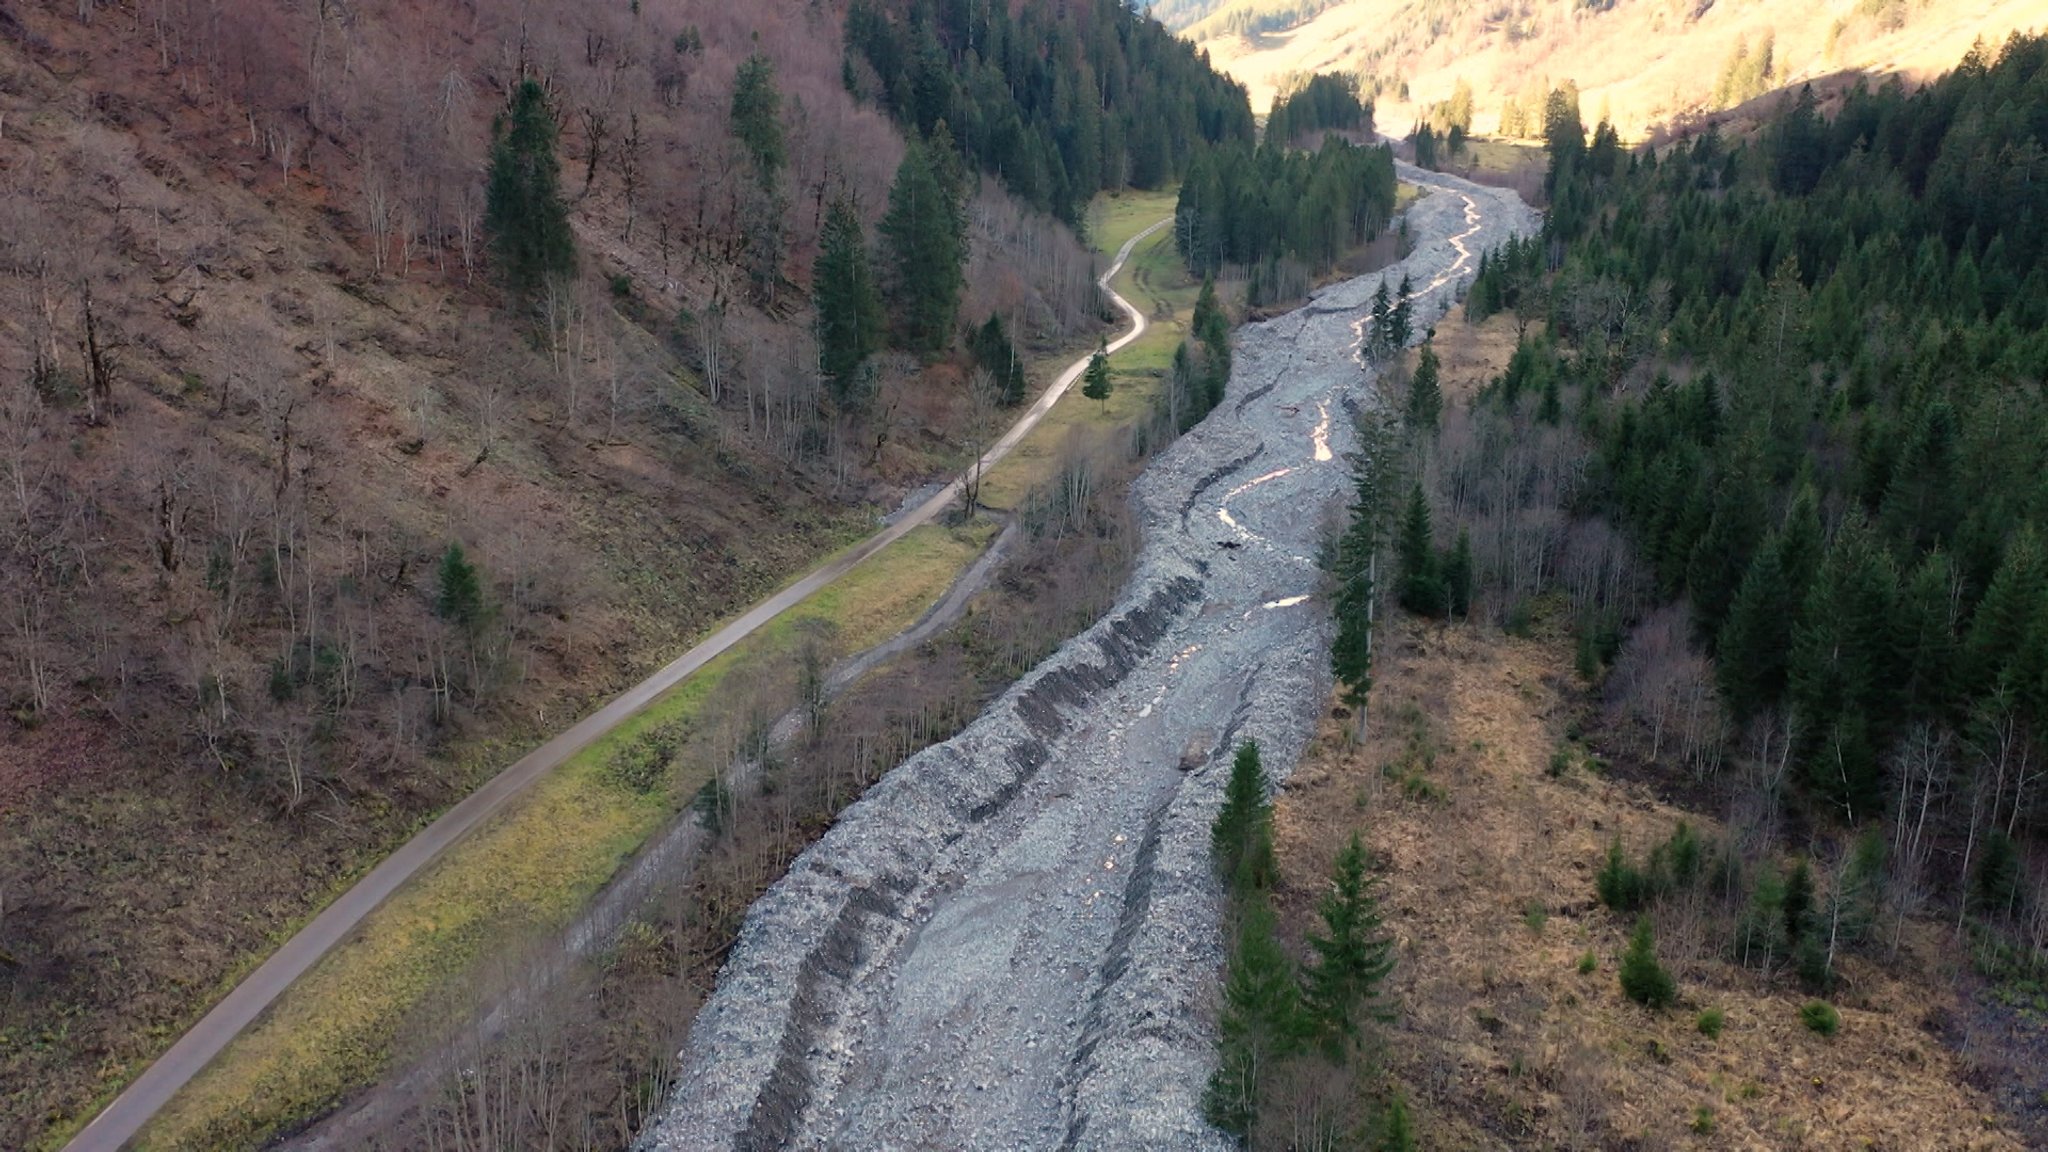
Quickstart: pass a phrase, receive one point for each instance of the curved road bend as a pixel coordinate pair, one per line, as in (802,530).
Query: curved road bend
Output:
(139,1103)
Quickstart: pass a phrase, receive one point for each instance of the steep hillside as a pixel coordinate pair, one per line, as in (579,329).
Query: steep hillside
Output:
(1641,61)
(257,377)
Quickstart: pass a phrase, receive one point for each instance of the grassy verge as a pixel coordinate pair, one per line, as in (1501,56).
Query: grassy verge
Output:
(530,869)
(1155,280)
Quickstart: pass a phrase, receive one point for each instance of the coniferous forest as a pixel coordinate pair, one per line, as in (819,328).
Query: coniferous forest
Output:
(1058,103)
(1244,206)
(1776,433)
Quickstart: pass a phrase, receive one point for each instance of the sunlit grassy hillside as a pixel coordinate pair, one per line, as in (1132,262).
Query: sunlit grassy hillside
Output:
(1644,62)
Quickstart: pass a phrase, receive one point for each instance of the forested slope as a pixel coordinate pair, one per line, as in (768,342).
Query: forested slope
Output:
(1776,435)
(1714,694)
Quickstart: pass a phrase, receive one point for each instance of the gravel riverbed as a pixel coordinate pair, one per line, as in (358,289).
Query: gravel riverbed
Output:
(1012,941)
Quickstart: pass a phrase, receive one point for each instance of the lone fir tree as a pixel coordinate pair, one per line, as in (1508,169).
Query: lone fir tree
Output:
(1095,383)
(523,210)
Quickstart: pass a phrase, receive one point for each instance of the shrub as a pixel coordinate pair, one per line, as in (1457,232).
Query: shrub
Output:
(1560,761)
(1820,1016)
(1703,1120)
(1588,963)
(1710,1022)
(1644,980)
(1535,916)
(1622,887)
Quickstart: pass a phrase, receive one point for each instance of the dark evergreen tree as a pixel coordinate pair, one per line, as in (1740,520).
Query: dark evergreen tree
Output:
(1422,589)
(523,210)
(459,595)
(849,306)
(1926,638)
(2005,616)
(1353,953)
(1722,558)
(1096,382)
(1212,329)
(1397,1131)
(1844,671)
(1425,394)
(1643,979)
(1261,1021)
(1798,900)
(925,234)
(1357,569)
(1378,325)
(1242,837)
(1401,317)
(993,350)
(756,120)
(1752,649)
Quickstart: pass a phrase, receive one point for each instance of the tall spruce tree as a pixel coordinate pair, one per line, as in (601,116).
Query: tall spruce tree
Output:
(1721,558)
(2005,615)
(1353,953)
(523,211)
(1358,561)
(1241,840)
(1422,589)
(1425,393)
(756,120)
(1212,328)
(1261,1021)
(1844,670)
(925,235)
(1752,649)
(1378,326)
(849,306)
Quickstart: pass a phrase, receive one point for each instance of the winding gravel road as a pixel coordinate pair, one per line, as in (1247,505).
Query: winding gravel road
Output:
(1012,940)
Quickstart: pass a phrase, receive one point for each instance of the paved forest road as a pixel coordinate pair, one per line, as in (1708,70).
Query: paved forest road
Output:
(1011,942)
(122,1119)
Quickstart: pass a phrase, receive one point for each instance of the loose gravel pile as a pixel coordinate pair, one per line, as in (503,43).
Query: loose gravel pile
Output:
(1012,941)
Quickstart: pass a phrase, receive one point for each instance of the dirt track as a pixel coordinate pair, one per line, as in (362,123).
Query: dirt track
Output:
(1011,942)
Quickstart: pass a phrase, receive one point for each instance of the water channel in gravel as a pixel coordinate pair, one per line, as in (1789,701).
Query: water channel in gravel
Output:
(1012,941)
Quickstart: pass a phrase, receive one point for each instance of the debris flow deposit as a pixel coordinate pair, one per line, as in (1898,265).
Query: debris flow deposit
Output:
(1013,940)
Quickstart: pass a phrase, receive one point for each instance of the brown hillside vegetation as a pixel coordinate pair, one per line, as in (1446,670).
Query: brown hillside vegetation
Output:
(1486,795)
(1487,863)
(1641,62)
(255,380)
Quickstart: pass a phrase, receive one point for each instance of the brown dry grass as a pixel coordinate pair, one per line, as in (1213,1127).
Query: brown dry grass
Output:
(1468,354)
(1500,1039)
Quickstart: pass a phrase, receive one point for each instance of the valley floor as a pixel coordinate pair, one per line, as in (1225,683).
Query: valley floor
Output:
(1011,941)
